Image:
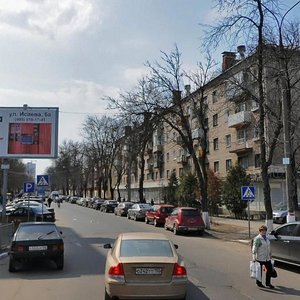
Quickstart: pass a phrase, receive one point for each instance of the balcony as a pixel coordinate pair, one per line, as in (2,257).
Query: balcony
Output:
(239,119)
(197,133)
(241,147)
(182,159)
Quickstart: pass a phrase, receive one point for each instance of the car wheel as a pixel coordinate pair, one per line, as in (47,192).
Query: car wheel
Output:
(284,220)
(175,231)
(155,223)
(60,262)
(128,217)
(165,226)
(146,220)
(106,297)
(200,232)
(11,267)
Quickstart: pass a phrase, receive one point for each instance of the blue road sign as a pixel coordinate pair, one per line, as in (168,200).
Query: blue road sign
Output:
(42,180)
(248,192)
(28,187)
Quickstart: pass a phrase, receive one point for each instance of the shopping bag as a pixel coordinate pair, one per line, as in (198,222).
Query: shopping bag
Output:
(253,269)
(258,271)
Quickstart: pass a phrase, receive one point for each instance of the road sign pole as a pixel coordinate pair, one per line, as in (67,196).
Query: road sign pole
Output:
(249,234)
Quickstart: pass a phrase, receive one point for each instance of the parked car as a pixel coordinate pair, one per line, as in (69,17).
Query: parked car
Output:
(280,213)
(73,199)
(29,214)
(29,203)
(109,206)
(122,208)
(79,201)
(285,243)
(138,211)
(144,265)
(97,203)
(36,240)
(158,214)
(184,220)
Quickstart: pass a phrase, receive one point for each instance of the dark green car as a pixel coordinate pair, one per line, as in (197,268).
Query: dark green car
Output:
(36,240)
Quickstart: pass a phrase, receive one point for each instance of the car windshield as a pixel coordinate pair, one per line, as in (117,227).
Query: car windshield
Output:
(145,247)
(280,207)
(31,232)
(190,213)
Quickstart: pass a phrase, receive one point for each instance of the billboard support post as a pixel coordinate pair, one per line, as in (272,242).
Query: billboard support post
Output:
(5,168)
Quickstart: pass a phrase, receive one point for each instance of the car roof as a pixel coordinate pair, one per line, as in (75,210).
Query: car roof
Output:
(36,223)
(143,236)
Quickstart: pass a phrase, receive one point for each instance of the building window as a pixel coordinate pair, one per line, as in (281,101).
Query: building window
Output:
(168,156)
(241,136)
(226,115)
(215,120)
(257,161)
(216,166)
(228,140)
(256,132)
(216,144)
(174,172)
(228,164)
(214,97)
(180,172)
(206,123)
(243,161)
(156,175)
(168,173)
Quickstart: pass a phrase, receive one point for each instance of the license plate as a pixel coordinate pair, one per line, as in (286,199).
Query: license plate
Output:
(148,271)
(192,228)
(37,248)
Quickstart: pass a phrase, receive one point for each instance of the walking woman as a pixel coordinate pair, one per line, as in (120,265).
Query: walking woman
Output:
(261,251)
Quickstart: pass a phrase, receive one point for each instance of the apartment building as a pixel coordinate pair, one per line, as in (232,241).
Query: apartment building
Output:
(233,133)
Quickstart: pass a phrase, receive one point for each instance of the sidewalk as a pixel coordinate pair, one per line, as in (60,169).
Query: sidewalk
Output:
(233,229)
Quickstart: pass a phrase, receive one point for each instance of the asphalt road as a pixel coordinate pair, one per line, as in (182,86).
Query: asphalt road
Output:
(217,268)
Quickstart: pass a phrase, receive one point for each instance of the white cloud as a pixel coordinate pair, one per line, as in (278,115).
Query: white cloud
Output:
(132,75)
(51,18)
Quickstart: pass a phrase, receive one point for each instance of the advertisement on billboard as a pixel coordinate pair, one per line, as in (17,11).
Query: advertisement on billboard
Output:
(28,132)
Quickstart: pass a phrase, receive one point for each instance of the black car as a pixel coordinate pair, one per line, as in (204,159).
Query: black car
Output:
(30,214)
(97,203)
(109,205)
(36,240)
(285,243)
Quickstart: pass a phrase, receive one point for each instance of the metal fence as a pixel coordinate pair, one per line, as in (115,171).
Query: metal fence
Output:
(6,234)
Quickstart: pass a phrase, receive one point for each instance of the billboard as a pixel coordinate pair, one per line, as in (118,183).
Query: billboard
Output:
(28,132)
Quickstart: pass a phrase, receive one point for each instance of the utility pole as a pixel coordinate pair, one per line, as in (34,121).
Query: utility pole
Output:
(5,168)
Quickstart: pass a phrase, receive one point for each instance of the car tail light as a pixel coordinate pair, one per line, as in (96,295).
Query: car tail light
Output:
(20,248)
(58,247)
(117,270)
(179,271)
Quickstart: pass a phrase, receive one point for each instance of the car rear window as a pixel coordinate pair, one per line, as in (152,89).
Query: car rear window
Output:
(166,210)
(140,247)
(190,212)
(29,232)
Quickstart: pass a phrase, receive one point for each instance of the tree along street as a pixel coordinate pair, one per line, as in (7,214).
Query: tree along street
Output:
(217,269)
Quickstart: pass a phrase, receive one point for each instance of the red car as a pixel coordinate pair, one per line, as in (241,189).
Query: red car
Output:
(184,220)
(158,214)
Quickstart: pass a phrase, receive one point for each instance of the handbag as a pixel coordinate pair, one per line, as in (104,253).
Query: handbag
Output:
(274,273)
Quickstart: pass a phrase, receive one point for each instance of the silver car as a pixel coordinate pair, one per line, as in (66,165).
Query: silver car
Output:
(285,243)
(138,211)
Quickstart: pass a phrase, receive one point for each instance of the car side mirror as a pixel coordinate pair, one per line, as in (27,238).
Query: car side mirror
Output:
(176,246)
(107,246)
(273,232)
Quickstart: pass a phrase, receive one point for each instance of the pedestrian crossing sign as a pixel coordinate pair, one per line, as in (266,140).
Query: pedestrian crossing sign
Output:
(248,192)
(42,180)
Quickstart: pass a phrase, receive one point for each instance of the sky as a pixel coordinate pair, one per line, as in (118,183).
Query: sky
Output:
(72,53)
